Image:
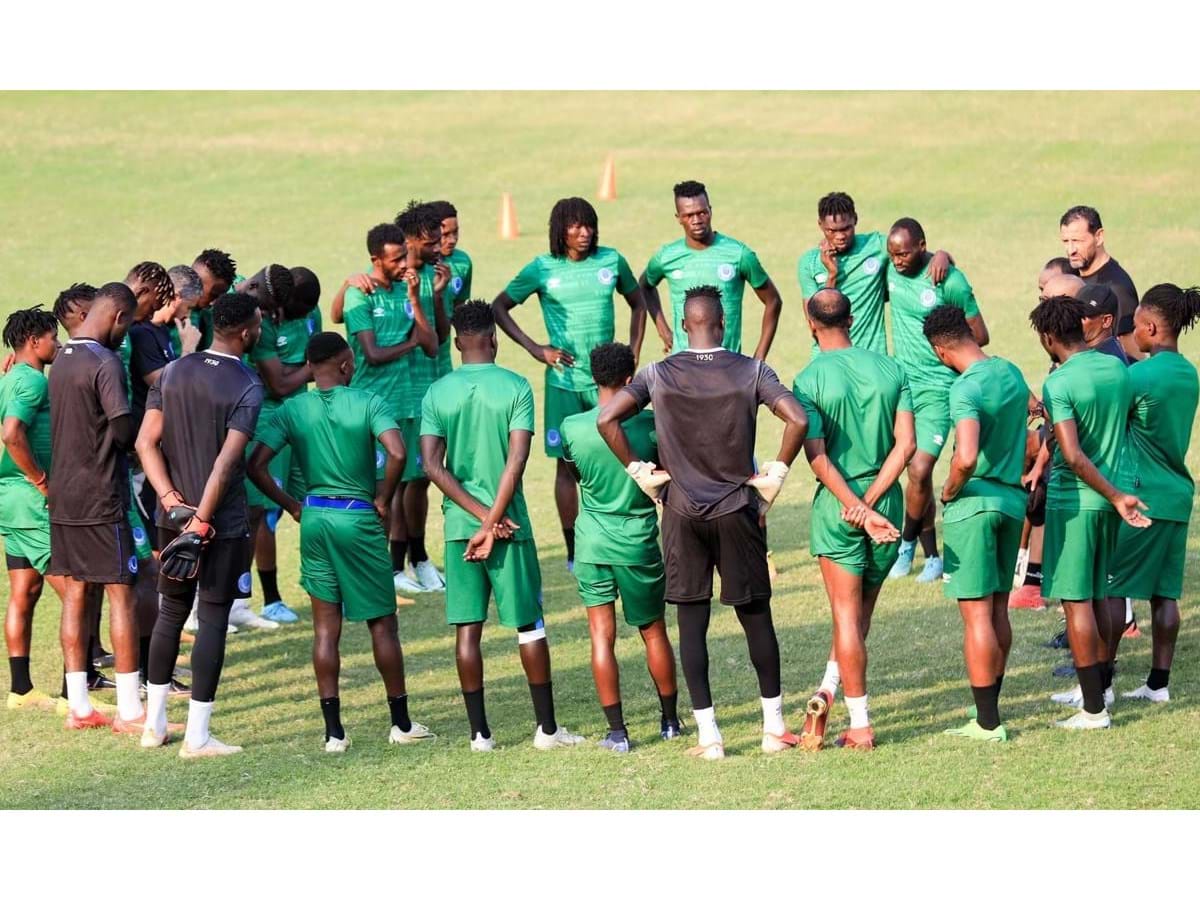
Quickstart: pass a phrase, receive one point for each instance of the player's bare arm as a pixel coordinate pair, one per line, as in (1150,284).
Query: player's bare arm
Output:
(546,354)
(393,469)
(979,330)
(423,333)
(897,461)
(655,311)
(433,452)
(617,410)
(772,310)
(281,380)
(480,545)
(256,468)
(154,465)
(232,452)
(637,322)
(966,457)
(441,279)
(360,280)
(16,442)
(1129,506)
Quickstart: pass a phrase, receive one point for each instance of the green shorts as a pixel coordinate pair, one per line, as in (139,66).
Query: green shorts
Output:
(931,415)
(980,554)
(344,559)
(1077,547)
(31,543)
(414,469)
(642,589)
(850,547)
(142,548)
(560,404)
(1148,562)
(511,574)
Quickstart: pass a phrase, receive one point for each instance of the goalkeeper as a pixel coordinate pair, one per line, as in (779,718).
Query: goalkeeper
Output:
(200,416)
(706,399)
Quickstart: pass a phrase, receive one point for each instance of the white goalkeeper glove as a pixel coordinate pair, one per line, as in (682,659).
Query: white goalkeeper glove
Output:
(650,480)
(769,481)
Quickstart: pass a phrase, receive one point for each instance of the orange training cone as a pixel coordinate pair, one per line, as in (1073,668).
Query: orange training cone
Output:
(508,218)
(608,181)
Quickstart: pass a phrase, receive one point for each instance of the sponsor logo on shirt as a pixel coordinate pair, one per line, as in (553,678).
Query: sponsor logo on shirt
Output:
(871,266)
(928,298)
(725,272)
(456,282)
(945,577)
(209,361)
(132,565)
(820,277)
(281,341)
(939,439)
(553,282)
(244,583)
(553,438)
(378,312)
(678,273)
(605,276)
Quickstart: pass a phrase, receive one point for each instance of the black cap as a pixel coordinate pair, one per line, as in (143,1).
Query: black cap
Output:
(1099,299)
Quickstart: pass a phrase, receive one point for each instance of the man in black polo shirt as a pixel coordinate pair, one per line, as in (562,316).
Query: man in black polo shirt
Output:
(1082,235)
(200,415)
(706,401)
(90,538)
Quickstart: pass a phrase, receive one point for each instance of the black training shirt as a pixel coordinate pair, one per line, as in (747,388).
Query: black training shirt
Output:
(1119,282)
(150,350)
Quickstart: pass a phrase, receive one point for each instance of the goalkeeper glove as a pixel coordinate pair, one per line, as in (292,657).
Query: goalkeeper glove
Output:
(769,481)
(652,481)
(180,559)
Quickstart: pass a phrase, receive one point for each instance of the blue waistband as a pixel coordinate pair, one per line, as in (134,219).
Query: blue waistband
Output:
(337,502)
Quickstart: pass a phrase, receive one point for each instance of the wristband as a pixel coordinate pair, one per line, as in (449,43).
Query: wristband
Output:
(45,477)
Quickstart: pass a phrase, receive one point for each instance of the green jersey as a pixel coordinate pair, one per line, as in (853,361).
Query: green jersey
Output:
(458,291)
(332,434)
(911,298)
(25,396)
(474,408)
(851,397)
(993,393)
(577,306)
(862,277)
(423,370)
(617,524)
(286,341)
(1165,393)
(1092,389)
(202,320)
(125,353)
(726,263)
(387,313)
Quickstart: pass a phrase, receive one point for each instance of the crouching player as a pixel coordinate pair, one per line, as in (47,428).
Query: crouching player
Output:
(616,548)
(344,561)
(984,506)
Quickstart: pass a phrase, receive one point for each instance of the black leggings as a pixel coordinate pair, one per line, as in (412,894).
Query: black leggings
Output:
(756,622)
(208,653)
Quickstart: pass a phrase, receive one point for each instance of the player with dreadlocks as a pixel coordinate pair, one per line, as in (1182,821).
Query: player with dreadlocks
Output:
(857,265)
(32,335)
(575,282)
(218,274)
(1087,400)
(1148,563)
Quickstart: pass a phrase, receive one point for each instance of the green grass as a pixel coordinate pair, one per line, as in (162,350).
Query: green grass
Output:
(93,183)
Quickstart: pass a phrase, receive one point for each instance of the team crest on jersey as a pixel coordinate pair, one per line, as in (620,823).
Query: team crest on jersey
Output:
(725,272)
(408,308)
(605,276)
(379,459)
(132,565)
(456,282)
(310,325)
(553,438)
(820,277)
(244,583)
(928,298)
(553,282)
(871,266)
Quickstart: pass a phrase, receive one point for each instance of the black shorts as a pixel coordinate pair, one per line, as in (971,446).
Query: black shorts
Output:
(224,574)
(733,544)
(100,554)
(13,563)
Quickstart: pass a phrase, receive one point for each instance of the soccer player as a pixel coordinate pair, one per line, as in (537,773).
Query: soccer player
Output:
(461,269)
(705,257)
(1148,563)
(344,562)
(476,430)
(200,416)
(218,274)
(706,399)
(575,282)
(278,356)
(860,438)
(32,335)
(913,296)
(984,505)
(384,327)
(617,549)
(1087,400)
(91,427)
(856,264)
(1082,235)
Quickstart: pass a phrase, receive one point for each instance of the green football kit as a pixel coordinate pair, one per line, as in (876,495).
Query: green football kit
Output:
(458,291)
(24,517)
(862,277)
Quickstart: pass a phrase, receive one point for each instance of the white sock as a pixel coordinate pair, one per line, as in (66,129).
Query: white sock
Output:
(832,678)
(857,707)
(77,694)
(1128,610)
(197,723)
(907,545)
(706,725)
(129,703)
(156,707)
(772,708)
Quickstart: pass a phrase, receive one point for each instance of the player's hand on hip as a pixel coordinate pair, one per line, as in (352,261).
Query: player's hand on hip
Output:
(652,481)
(479,547)
(296,510)
(554,356)
(1130,508)
(879,529)
(382,509)
(769,480)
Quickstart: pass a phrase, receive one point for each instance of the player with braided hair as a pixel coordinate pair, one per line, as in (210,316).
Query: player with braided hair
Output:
(1148,563)
(218,275)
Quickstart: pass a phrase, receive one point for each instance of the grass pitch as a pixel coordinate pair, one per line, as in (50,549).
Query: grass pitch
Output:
(90,184)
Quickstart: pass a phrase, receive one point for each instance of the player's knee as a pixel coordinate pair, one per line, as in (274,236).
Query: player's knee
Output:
(213,614)
(531,633)
(920,468)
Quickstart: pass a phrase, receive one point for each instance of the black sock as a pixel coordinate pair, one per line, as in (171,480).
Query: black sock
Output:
(543,706)
(999,683)
(1158,679)
(1033,574)
(929,543)
(669,703)
(63,692)
(269,585)
(92,671)
(569,537)
(1107,669)
(399,709)
(987,713)
(616,718)
(18,667)
(1091,682)
(331,709)
(399,548)
(476,714)
(144,655)
(912,527)
(416,549)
